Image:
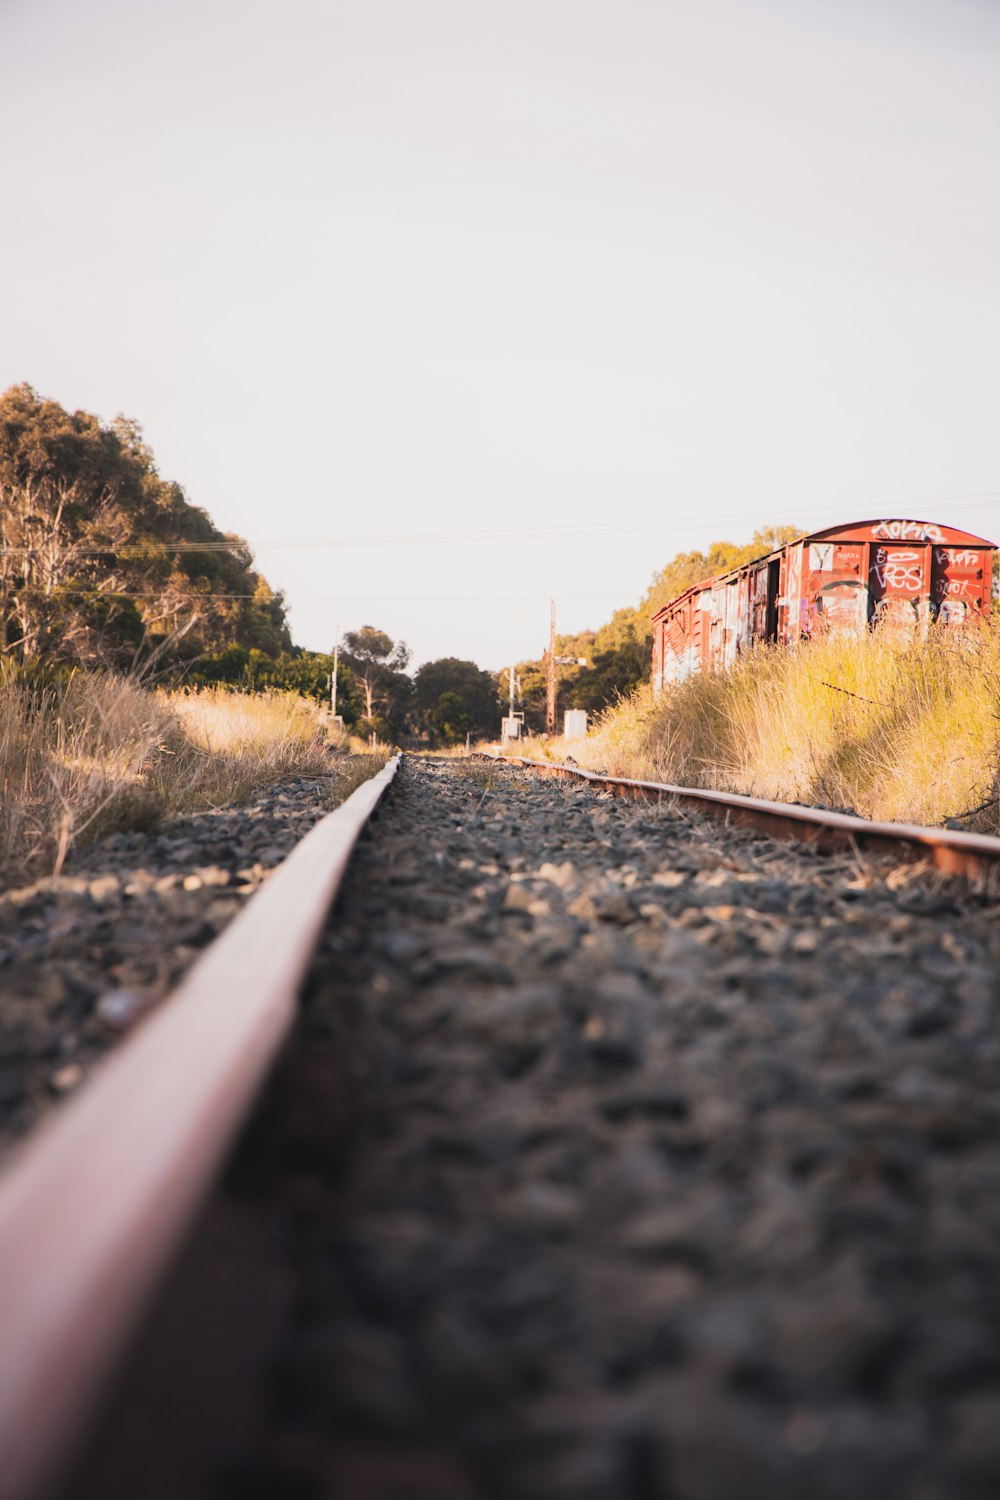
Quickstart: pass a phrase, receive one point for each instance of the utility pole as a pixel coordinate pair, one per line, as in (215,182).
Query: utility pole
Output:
(511,709)
(550,686)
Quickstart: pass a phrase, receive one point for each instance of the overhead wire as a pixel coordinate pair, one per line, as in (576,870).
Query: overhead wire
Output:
(973,500)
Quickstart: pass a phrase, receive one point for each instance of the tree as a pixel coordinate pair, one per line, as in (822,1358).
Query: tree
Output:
(688,568)
(619,660)
(475,691)
(377,663)
(450,719)
(102,560)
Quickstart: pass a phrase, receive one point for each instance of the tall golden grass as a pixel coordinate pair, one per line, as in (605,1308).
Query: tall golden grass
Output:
(900,730)
(84,755)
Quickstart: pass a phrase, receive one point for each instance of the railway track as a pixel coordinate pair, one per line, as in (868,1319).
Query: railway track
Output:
(973,855)
(606,1128)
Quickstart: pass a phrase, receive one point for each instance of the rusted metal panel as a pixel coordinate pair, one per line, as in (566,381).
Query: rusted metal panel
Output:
(961,582)
(677,640)
(793,594)
(834,587)
(658,629)
(731,621)
(899,530)
(762,589)
(899,585)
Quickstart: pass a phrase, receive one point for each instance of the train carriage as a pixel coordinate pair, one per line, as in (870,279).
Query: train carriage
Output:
(896,574)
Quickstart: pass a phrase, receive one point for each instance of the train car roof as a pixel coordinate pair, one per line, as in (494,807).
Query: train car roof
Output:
(890,528)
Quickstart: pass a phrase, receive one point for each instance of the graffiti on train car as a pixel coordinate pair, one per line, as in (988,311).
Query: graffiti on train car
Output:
(898,571)
(907,531)
(843,604)
(898,575)
(950,587)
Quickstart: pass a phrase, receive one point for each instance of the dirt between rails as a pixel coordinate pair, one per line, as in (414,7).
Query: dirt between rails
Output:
(619,1156)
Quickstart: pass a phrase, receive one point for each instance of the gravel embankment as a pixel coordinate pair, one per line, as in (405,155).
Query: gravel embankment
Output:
(672,1174)
(81,951)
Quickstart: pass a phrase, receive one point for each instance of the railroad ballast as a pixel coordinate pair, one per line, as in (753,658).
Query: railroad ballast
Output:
(897,574)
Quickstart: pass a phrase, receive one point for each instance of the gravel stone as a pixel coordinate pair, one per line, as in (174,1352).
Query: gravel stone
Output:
(83,955)
(671,1166)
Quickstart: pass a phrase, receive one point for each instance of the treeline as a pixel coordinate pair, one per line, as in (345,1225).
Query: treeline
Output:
(618,654)
(106,565)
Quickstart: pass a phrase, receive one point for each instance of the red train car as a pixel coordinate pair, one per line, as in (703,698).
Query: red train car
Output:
(896,574)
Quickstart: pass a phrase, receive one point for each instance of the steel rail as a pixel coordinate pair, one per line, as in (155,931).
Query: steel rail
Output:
(949,850)
(95,1203)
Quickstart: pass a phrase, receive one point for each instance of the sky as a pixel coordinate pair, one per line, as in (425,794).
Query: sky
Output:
(450,306)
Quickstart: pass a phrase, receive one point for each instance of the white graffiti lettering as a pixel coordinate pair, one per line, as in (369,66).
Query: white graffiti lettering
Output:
(907,531)
(957,588)
(898,572)
(901,579)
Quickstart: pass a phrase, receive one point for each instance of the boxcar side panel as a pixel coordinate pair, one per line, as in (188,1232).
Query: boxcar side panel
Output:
(834,587)
(961,583)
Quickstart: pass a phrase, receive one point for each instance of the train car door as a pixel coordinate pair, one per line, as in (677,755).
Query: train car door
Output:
(773,588)
(703,631)
(898,585)
(731,623)
(960,583)
(836,588)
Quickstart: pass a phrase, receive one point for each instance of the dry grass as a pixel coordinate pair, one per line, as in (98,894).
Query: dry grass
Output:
(904,731)
(353,770)
(252,726)
(82,756)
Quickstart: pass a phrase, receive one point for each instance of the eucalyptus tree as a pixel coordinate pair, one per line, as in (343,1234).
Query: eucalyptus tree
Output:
(102,560)
(378,664)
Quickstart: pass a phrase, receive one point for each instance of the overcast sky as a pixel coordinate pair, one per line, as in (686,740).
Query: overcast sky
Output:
(620,277)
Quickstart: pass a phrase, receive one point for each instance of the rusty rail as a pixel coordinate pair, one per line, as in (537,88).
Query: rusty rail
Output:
(93,1206)
(951,851)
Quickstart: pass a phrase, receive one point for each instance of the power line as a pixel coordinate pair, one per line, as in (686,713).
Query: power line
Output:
(973,500)
(133,552)
(976,500)
(170,597)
